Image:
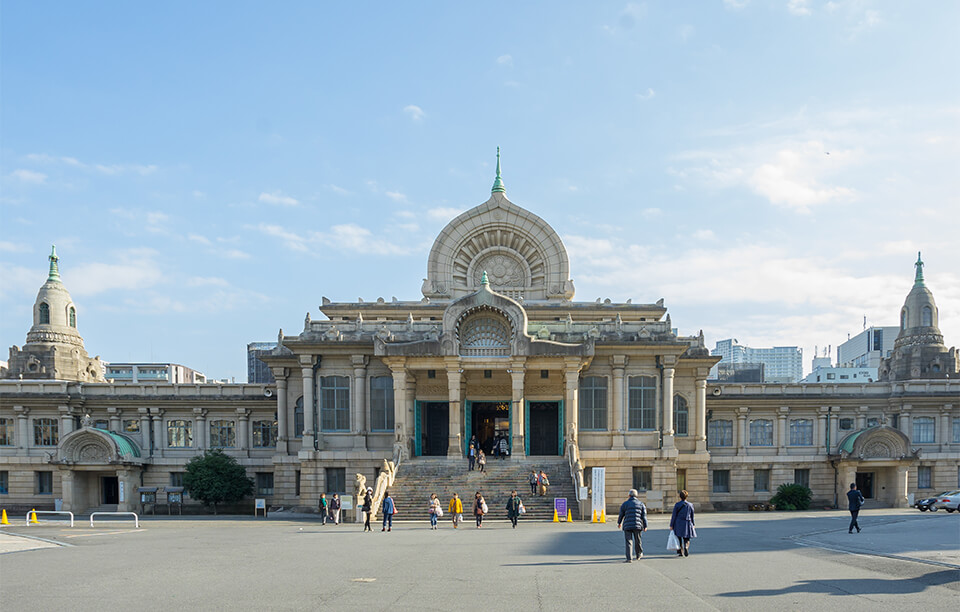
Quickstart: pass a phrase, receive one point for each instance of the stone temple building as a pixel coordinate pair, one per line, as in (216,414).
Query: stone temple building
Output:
(496,347)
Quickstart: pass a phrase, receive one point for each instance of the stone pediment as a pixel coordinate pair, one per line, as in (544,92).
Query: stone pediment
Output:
(92,446)
(876,443)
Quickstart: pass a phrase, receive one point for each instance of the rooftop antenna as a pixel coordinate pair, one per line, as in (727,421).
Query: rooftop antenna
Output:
(864,321)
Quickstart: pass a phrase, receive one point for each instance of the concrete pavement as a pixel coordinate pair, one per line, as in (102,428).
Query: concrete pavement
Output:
(768,561)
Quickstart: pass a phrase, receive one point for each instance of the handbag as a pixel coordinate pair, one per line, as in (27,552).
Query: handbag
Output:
(439,512)
(673,542)
(483,508)
(522,509)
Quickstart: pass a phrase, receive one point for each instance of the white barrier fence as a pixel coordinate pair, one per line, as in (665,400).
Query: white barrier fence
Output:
(136,519)
(36,512)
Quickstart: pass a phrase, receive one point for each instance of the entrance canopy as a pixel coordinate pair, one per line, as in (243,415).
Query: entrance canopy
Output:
(876,443)
(93,446)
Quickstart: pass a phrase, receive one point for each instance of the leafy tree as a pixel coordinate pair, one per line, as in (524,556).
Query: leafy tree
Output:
(792,497)
(215,478)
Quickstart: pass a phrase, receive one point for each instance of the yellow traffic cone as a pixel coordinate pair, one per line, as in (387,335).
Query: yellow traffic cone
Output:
(3,519)
(556,519)
(594,520)
(33,516)
(569,516)
(603,516)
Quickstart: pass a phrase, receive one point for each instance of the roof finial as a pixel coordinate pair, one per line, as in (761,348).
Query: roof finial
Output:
(498,182)
(54,268)
(483,280)
(919,279)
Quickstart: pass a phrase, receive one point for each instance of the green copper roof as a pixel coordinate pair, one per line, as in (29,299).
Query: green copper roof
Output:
(124,446)
(483,279)
(498,182)
(919,279)
(54,268)
(847,444)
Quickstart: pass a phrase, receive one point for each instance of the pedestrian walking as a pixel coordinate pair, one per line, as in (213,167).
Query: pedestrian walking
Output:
(681,522)
(543,482)
(322,508)
(479,509)
(389,509)
(456,509)
(434,510)
(481,460)
(514,508)
(495,451)
(856,500)
(533,480)
(335,508)
(504,447)
(633,521)
(367,509)
(472,456)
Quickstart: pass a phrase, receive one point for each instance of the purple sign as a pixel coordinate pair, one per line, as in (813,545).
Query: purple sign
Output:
(560,505)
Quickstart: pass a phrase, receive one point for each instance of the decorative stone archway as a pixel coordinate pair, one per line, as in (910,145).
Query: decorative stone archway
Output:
(89,455)
(883,452)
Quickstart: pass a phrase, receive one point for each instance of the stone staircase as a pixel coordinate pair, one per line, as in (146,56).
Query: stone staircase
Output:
(418,478)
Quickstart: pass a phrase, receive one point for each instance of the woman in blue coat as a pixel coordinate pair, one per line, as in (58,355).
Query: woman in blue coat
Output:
(682,524)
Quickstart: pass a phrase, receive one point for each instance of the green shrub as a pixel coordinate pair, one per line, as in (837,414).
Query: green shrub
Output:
(792,497)
(215,478)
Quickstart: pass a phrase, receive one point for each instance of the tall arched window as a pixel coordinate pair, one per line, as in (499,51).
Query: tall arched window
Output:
(926,317)
(903,319)
(681,416)
(44,314)
(298,418)
(73,317)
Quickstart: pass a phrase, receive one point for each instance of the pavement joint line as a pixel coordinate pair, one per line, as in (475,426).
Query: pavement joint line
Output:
(39,539)
(88,535)
(861,553)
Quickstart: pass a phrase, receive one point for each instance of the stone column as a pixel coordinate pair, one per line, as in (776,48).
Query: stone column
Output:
(145,429)
(23,427)
(905,421)
(820,433)
(782,439)
(900,492)
(360,410)
(454,409)
(834,426)
(862,417)
(571,405)
(946,434)
(66,421)
(517,444)
(667,407)
(400,425)
(243,431)
(280,375)
(115,414)
(701,414)
(619,362)
(159,440)
(306,370)
(129,480)
(67,482)
(742,413)
(410,398)
(202,434)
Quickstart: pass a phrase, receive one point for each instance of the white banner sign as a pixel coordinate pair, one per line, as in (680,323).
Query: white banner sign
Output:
(599,487)
(120,495)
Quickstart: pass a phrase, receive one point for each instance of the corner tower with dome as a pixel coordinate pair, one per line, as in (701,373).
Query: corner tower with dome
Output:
(54,348)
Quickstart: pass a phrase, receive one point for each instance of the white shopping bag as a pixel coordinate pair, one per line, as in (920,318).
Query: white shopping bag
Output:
(673,542)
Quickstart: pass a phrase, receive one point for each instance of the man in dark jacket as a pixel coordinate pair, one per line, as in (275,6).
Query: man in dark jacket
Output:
(633,521)
(856,501)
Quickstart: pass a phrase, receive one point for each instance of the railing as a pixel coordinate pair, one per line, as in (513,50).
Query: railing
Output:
(36,512)
(136,519)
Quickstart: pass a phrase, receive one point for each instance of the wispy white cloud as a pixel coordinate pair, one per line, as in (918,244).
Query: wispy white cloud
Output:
(106,169)
(651,213)
(505,60)
(207,281)
(13,247)
(686,32)
(338,190)
(799,7)
(646,96)
(415,112)
(131,269)
(277,198)
(345,236)
(443,213)
(735,5)
(28,176)
(396,196)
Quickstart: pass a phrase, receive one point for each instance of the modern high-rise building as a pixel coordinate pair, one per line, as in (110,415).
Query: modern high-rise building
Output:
(868,348)
(257,371)
(152,372)
(780,363)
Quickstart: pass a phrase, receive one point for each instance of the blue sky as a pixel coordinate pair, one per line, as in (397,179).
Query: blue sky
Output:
(209,170)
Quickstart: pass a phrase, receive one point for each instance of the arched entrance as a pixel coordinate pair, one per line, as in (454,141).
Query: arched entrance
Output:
(877,460)
(99,470)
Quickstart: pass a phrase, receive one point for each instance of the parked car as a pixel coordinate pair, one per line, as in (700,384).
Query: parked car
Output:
(948,501)
(927,503)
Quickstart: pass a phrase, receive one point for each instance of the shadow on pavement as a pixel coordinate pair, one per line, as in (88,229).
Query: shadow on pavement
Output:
(858,586)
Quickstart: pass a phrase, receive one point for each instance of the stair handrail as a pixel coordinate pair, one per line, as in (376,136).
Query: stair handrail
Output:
(386,478)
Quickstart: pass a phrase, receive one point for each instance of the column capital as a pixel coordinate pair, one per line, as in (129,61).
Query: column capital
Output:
(823,411)
(668,360)
(306,361)
(200,413)
(22,411)
(280,374)
(701,383)
(359,361)
(946,409)
(783,411)
(156,412)
(114,411)
(619,361)
(742,412)
(243,414)
(906,408)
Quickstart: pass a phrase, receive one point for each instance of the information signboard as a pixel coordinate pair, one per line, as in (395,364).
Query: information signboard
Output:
(599,485)
(560,506)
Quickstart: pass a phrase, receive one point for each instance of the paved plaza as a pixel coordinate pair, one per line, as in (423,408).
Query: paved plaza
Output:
(903,559)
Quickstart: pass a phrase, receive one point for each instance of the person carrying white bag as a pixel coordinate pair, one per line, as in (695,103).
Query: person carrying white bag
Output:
(681,527)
